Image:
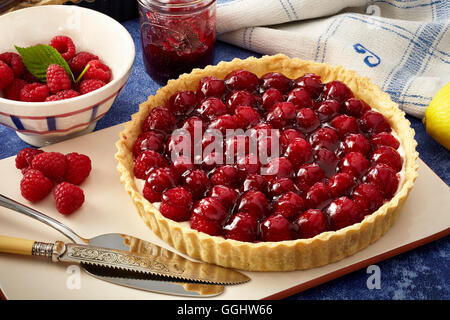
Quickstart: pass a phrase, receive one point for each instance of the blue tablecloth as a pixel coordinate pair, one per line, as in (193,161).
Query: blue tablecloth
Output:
(422,273)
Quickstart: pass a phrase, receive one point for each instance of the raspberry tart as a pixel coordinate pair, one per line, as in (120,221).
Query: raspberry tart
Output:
(343,164)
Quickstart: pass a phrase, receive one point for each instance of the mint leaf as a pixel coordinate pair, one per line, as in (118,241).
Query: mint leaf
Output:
(37,59)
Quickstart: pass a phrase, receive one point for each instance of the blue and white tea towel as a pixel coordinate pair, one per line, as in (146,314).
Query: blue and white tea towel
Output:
(403,46)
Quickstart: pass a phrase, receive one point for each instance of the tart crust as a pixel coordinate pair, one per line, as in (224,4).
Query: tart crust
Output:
(324,248)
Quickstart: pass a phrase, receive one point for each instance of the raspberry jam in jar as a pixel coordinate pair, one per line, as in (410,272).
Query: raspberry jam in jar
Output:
(176,36)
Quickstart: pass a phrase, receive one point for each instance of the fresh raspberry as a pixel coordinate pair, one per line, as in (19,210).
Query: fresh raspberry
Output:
(25,157)
(14,61)
(57,79)
(52,164)
(34,186)
(90,85)
(68,197)
(29,77)
(12,92)
(6,75)
(62,95)
(64,45)
(34,92)
(98,70)
(79,62)
(78,168)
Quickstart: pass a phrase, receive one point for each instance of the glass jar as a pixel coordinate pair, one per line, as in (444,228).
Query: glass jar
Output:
(176,36)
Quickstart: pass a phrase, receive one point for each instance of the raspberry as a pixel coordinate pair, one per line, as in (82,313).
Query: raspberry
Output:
(79,62)
(98,70)
(14,61)
(78,168)
(25,156)
(57,79)
(241,227)
(68,197)
(147,160)
(52,164)
(12,92)
(65,46)
(34,186)
(34,92)
(6,75)
(90,85)
(176,204)
(203,224)
(62,95)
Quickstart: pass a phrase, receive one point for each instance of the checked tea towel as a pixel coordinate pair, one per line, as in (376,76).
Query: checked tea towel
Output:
(402,46)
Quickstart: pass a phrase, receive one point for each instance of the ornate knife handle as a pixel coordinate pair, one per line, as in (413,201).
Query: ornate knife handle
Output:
(32,248)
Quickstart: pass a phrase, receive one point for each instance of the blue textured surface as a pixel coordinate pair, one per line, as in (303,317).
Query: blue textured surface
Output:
(422,273)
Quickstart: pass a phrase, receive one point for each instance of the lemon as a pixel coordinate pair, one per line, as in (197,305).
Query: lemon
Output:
(437,117)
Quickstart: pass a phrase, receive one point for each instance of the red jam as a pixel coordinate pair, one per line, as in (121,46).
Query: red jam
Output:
(176,36)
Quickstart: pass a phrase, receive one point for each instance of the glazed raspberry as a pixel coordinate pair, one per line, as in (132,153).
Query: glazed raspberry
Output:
(223,123)
(12,92)
(328,109)
(212,160)
(254,182)
(57,78)
(318,196)
(307,120)
(300,98)
(64,45)
(343,212)
(226,175)
(355,108)
(161,119)
(356,142)
(310,223)
(90,85)
(367,197)
(226,195)
(176,204)
(241,227)
(287,136)
(79,62)
(278,167)
(354,163)
(98,70)
(254,203)
(344,125)
(276,228)
(158,181)
(194,126)
(147,160)
(52,164)
(384,139)
(211,87)
(237,146)
(34,92)
(374,122)
(149,140)
(341,183)
(182,103)
(14,61)
(62,95)
(25,157)
(282,114)
(179,144)
(279,185)
(337,90)
(262,130)
(327,160)
(307,175)
(388,156)
(246,117)
(6,75)
(68,198)
(299,152)
(210,208)
(78,168)
(311,82)
(241,98)
(268,147)
(270,98)
(384,178)
(241,80)
(180,165)
(289,205)
(205,225)
(275,80)
(211,108)
(196,182)
(325,137)
(248,165)
(34,186)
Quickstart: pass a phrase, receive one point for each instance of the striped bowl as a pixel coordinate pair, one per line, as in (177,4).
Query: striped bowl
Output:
(43,123)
